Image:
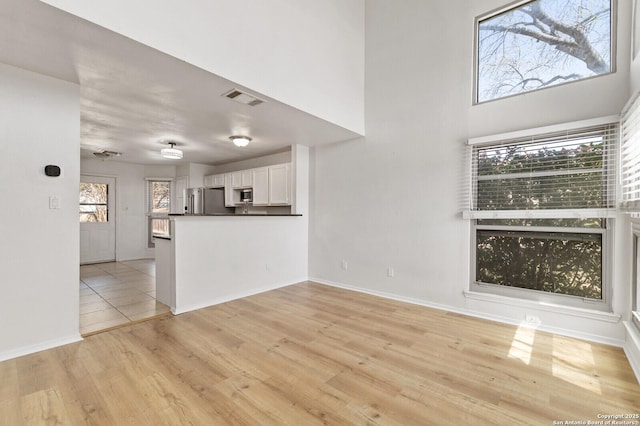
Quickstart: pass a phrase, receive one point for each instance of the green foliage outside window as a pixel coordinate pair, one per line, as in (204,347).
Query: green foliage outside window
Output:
(542,177)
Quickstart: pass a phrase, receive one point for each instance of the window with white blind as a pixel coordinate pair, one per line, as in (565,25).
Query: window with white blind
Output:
(630,158)
(158,208)
(542,209)
(630,180)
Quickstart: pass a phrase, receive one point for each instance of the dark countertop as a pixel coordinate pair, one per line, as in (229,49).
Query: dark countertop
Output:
(234,214)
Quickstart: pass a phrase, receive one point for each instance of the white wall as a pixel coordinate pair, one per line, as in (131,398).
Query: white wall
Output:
(197,172)
(305,53)
(266,160)
(218,259)
(39,253)
(131,218)
(394,199)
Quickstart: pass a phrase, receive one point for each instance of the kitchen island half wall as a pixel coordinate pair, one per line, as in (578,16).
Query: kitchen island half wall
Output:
(214,259)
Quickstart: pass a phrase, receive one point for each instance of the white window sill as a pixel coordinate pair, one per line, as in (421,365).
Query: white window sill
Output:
(543,306)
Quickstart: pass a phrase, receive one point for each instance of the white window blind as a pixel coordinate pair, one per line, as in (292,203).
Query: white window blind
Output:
(563,174)
(630,158)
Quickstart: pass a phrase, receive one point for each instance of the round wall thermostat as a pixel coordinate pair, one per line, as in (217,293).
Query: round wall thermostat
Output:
(51,170)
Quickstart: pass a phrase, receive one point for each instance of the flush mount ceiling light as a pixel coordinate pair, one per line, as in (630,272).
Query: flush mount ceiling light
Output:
(173,153)
(240,140)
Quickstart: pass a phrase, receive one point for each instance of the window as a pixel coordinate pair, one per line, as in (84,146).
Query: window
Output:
(635,289)
(630,179)
(542,43)
(158,208)
(542,208)
(93,202)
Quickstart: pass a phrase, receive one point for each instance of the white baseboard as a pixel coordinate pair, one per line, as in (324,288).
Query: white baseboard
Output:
(234,296)
(506,320)
(41,346)
(632,348)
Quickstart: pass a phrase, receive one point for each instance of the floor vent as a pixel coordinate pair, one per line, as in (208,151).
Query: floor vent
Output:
(243,97)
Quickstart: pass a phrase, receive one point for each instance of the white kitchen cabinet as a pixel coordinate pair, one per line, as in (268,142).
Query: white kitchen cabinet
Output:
(214,181)
(228,190)
(236,180)
(242,179)
(280,185)
(247,178)
(261,186)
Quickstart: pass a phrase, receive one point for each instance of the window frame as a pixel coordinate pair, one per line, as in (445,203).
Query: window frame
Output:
(512,6)
(105,204)
(635,272)
(603,304)
(608,216)
(156,216)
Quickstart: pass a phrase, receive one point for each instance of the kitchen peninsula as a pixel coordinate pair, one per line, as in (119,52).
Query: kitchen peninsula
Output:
(212,259)
(217,258)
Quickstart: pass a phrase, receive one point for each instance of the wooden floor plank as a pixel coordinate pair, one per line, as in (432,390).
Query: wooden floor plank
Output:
(311,354)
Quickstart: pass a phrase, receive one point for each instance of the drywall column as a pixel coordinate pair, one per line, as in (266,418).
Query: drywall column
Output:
(39,249)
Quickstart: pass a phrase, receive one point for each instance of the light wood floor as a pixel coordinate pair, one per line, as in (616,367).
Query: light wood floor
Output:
(310,354)
(116,293)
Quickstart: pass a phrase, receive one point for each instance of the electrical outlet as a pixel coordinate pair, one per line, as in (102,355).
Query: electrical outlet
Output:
(390,272)
(344,265)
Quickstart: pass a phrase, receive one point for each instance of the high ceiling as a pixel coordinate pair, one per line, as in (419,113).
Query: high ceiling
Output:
(135,98)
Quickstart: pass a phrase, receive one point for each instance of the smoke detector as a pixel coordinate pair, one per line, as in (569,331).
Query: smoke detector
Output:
(243,97)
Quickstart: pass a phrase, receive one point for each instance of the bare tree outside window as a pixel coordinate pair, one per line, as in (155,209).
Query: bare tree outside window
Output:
(93,202)
(160,197)
(159,207)
(542,43)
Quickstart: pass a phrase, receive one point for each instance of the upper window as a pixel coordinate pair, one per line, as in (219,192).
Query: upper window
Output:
(93,202)
(159,197)
(542,43)
(158,209)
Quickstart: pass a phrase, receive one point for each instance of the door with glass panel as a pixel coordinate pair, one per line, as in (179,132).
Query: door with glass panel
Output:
(97,219)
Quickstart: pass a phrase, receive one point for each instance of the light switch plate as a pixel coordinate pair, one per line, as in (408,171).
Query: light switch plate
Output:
(54,202)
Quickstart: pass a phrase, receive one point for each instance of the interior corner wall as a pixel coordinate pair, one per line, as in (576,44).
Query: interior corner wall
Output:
(394,199)
(39,251)
(305,53)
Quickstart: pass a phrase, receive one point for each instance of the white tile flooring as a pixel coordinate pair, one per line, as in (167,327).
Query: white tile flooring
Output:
(116,293)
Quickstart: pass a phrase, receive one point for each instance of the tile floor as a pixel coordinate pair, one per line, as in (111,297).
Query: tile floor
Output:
(116,293)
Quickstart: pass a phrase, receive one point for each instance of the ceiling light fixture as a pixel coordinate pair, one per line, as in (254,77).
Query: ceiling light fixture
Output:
(240,140)
(172,153)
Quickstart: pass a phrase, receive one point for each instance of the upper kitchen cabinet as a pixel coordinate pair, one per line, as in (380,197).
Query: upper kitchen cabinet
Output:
(214,181)
(271,185)
(228,192)
(280,185)
(261,186)
(242,179)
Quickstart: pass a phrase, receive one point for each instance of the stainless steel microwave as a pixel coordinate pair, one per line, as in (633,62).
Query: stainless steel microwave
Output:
(246,195)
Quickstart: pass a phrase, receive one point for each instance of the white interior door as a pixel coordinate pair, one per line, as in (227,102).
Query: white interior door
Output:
(97,219)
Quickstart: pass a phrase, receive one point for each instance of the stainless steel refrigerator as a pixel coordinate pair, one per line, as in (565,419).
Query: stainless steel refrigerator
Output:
(205,201)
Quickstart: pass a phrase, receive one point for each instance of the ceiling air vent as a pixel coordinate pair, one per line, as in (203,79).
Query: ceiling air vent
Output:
(107,154)
(243,97)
